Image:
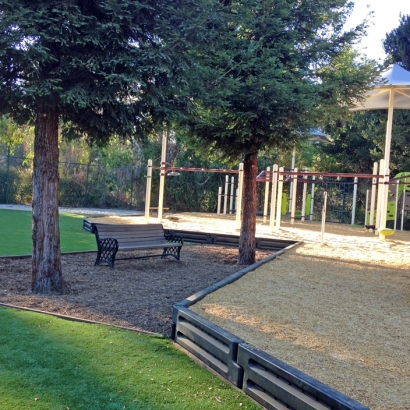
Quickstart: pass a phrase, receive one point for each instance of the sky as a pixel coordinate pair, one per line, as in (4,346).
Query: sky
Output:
(385,19)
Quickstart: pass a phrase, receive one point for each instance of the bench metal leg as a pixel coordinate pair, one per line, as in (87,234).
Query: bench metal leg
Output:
(171,251)
(107,249)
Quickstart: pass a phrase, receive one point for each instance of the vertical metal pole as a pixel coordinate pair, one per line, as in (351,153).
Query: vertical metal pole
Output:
(292,168)
(304,199)
(162,175)
(366,206)
(279,206)
(218,211)
(273,196)
(294,190)
(232,195)
(379,194)
(404,204)
(265,207)
(226,194)
(148,190)
(354,201)
(312,199)
(324,215)
(240,193)
(397,204)
(373,195)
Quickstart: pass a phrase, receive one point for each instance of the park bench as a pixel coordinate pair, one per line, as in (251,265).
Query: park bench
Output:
(112,238)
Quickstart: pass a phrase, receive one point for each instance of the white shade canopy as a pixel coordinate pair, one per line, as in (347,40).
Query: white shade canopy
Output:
(396,78)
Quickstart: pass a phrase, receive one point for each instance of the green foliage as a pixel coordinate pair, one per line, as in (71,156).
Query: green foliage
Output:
(397,43)
(50,363)
(16,227)
(109,68)
(274,70)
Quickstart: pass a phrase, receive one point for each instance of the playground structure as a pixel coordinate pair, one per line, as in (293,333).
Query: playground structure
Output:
(317,188)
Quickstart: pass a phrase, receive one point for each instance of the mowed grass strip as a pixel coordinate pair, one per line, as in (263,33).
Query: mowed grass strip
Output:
(50,363)
(15,231)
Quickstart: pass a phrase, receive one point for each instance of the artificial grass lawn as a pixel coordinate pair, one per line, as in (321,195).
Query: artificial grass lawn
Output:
(50,363)
(15,231)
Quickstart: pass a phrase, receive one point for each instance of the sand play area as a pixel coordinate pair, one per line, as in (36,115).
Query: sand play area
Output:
(338,311)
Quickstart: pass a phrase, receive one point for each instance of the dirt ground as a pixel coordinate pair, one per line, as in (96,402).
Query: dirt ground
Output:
(337,310)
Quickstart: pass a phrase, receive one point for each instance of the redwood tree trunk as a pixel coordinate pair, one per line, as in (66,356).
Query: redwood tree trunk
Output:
(46,261)
(247,242)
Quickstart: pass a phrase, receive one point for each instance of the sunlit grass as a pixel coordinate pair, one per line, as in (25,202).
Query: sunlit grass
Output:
(50,363)
(15,229)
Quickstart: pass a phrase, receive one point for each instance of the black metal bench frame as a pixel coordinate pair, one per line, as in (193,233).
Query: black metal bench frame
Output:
(108,245)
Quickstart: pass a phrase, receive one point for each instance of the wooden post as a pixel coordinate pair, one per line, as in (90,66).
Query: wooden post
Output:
(294,190)
(273,196)
(379,194)
(279,205)
(373,194)
(265,207)
(304,199)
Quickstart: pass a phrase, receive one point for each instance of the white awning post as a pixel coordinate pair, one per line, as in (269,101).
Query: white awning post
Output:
(312,198)
(273,196)
(373,196)
(232,195)
(304,199)
(294,190)
(324,215)
(148,190)
(279,201)
(240,193)
(162,174)
(385,189)
(379,194)
(266,199)
(354,201)
(218,210)
(366,207)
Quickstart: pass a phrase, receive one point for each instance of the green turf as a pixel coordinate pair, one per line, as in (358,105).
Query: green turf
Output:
(50,363)
(15,231)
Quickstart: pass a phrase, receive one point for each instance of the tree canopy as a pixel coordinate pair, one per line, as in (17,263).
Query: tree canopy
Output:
(277,70)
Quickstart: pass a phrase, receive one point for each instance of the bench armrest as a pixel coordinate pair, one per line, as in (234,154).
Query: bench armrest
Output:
(173,238)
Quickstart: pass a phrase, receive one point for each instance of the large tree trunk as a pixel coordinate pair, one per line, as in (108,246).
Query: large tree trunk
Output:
(247,241)
(46,262)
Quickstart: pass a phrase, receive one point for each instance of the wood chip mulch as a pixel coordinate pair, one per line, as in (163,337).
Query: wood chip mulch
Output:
(138,293)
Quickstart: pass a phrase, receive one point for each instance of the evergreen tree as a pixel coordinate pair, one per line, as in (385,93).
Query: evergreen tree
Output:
(95,68)
(275,70)
(397,43)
